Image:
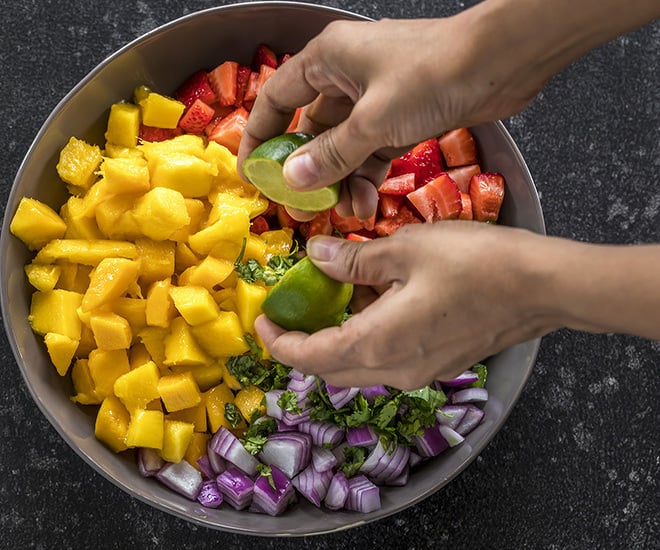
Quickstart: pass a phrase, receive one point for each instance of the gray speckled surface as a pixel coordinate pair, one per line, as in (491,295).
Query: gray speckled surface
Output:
(575,467)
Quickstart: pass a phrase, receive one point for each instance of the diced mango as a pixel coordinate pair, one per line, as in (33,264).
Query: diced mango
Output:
(180,346)
(87,342)
(115,220)
(156,260)
(74,277)
(83,385)
(138,355)
(232,225)
(254,203)
(226,250)
(36,223)
(138,387)
(43,276)
(133,310)
(111,331)
(197,212)
(194,303)
(78,163)
(206,375)
(160,212)
(161,111)
(145,429)
(250,402)
(278,242)
(82,251)
(197,447)
(111,278)
(222,337)
(184,257)
(56,311)
(79,225)
(95,195)
(159,305)
(249,298)
(187,174)
(105,366)
(224,160)
(176,438)
(255,249)
(189,144)
(126,174)
(119,151)
(209,273)
(123,125)
(61,350)
(112,422)
(216,399)
(226,299)
(179,391)
(228,378)
(195,415)
(153,339)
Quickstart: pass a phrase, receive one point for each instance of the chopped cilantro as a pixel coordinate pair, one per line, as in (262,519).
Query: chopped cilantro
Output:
(267,472)
(482,372)
(250,368)
(257,434)
(233,415)
(288,401)
(252,271)
(354,458)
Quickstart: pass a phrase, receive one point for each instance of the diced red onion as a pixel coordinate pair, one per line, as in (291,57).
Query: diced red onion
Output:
(296,375)
(451,415)
(272,408)
(323,433)
(340,396)
(464,379)
(363,495)
(371,392)
(361,436)
(338,451)
(312,484)
(385,463)
(469,395)
(323,459)
(302,386)
(204,466)
(209,495)
(414,459)
(181,477)
(217,463)
(267,500)
(471,420)
(294,418)
(236,487)
(431,443)
(228,446)
(335,498)
(289,451)
(401,479)
(452,436)
(149,461)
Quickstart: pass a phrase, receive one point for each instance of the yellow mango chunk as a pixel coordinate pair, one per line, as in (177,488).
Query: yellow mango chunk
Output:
(228,378)
(180,346)
(176,438)
(83,385)
(184,257)
(250,402)
(216,399)
(111,331)
(208,273)
(156,259)
(194,303)
(197,213)
(226,298)
(115,220)
(194,415)
(112,421)
(119,151)
(126,174)
(61,350)
(138,387)
(145,429)
(249,298)
(161,111)
(187,174)
(206,375)
(153,338)
(123,125)
(232,225)
(225,161)
(222,337)
(159,309)
(255,249)
(56,311)
(278,242)
(111,278)
(74,277)
(160,212)
(133,310)
(105,366)
(254,203)
(197,447)
(95,195)
(36,223)
(188,144)
(82,251)
(78,163)
(79,225)
(138,355)
(43,276)
(87,342)
(179,391)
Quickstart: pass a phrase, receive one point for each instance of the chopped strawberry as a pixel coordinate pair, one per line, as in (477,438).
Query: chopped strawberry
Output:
(293,125)
(197,86)
(357,237)
(197,117)
(285,220)
(462,174)
(466,207)
(265,56)
(242,78)
(223,80)
(390,205)
(319,225)
(388,226)
(284,58)
(252,90)
(271,211)
(458,147)
(398,185)
(424,160)
(487,195)
(151,134)
(344,225)
(259,225)
(229,130)
(265,72)
(439,199)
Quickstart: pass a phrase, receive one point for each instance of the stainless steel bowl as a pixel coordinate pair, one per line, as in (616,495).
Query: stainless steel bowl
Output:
(159,60)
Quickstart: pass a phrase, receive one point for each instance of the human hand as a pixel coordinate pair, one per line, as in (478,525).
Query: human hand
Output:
(431,301)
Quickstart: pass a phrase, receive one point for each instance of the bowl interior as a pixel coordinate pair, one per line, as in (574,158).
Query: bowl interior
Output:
(159,60)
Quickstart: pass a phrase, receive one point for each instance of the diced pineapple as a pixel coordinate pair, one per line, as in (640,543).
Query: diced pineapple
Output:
(160,308)
(82,251)
(83,385)
(180,346)
(61,350)
(197,447)
(145,429)
(36,223)
(216,398)
(111,278)
(197,211)
(232,225)
(160,111)
(250,402)
(156,260)
(105,366)
(115,219)
(195,415)
(160,212)
(249,298)
(176,438)
(96,194)
(126,174)
(179,391)
(78,163)
(56,311)
(209,273)
(123,125)
(111,331)
(194,303)
(222,337)
(138,387)
(43,276)
(79,225)
(112,422)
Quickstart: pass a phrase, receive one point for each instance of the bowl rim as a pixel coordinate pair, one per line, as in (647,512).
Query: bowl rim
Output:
(360,519)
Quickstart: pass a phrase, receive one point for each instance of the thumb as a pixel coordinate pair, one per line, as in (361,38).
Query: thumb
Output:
(362,263)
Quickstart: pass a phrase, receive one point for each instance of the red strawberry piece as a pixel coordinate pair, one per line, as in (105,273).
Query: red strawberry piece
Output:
(285,220)
(151,134)
(229,130)
(197,117)
(319,225)
(344,225)
(357,237)
(264,55)
(284,58)
(223,80)
(398,185)
(390,205)
(466,207)
(462,174)
(439,199)
(424,160)
(242,78)
(252,90)
(196,86)
(487,195)
(259,225)
(293,125)
(458,147)
(388,226)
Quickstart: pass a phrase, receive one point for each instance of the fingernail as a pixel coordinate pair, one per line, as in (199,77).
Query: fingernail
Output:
(323,249)
(300,171)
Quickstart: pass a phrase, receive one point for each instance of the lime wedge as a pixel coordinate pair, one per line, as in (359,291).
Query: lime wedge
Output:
(263,169)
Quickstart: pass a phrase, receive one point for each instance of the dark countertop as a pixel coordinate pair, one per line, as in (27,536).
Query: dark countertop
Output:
(576,465)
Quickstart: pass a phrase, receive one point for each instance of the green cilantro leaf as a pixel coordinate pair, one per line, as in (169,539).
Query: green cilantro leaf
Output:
(267,472)
(354,458)
(482,372)
(288,401)
(257,434)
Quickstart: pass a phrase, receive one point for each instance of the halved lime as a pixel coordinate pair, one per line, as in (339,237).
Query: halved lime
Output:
(307,299)
(263,168)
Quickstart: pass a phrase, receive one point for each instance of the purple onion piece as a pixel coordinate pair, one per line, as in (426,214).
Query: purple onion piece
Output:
(296,375)
(149,461)
(217,463)
(371,392)
(302,386)
(204,466)
(313,485)
(323,459)
(464,379)
(335,498)
(236,487)
(294,419)
(391,466)
(290,452)
(341,397)
(452,436)
(430,443)
(363,495)
(471,420)
(361,436)
(267,500)
(414,459)
(209,495)
(451,415)
(181,477)
(228,446)
(272,408)
(469,395)
(401,479)
(323,433)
